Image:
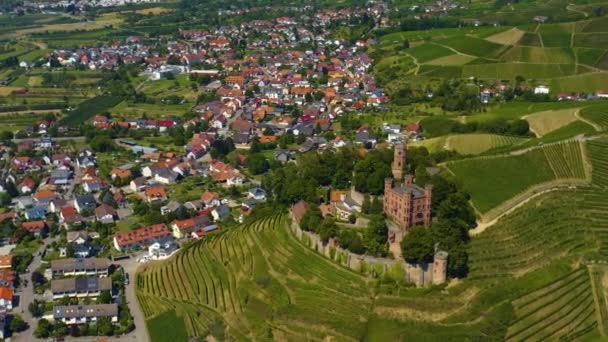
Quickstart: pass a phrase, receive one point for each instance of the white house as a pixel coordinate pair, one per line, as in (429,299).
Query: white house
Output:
(541,89)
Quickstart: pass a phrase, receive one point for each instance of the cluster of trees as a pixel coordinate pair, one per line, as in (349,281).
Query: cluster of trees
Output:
(291,183)
(371,171)
(516,127)
(46,329)
(370,240)
(58,79)
(454,216)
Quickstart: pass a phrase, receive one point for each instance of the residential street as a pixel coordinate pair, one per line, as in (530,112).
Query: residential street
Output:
(26,296)
(140,333)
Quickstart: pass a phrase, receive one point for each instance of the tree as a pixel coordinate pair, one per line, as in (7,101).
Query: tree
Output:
(17,324)
(456,207)
(371,171)
(36,308)
(60,329)
(377,206)
(327,229)
(257,164)
(417,246)
(105,327)
(376,235)
(312,218)
(366,205)
(107,198)
(44,329)
(38,278)
(105,297)
(102,143)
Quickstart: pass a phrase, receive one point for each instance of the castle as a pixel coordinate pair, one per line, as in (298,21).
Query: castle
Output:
(407,204)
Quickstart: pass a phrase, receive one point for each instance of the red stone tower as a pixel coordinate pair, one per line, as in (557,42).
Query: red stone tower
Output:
(398,161)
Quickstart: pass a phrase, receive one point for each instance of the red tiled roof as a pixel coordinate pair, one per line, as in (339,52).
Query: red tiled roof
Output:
(142,234)
(6,293)
(33,226)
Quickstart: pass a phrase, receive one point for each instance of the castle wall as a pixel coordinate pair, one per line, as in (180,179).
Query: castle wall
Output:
(419,274)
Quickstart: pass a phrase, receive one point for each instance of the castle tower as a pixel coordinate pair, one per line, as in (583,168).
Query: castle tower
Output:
(428,203)
(388,185)
(398,161)
(440,267)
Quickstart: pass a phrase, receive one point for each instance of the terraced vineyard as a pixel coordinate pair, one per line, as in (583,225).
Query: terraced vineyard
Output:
(257,279)
(546,227)
(493,180)
(597,116)
(560,310)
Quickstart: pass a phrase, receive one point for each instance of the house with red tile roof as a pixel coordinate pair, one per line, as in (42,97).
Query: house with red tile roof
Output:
(6,297)
(141,237)
(155,193)
(34,227)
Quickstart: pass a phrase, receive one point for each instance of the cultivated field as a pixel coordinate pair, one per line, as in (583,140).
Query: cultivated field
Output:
(492,181)
(548,121)
(256,280)
(471,144)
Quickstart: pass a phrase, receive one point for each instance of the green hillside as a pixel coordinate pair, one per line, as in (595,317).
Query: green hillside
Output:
(570,56)
(257,282)
(491,181)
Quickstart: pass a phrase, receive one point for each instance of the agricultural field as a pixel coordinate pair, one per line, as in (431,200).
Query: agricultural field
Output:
(569,56)
(254,279)
(526,239)
(596,116)
(562,309)
(548,121)
(509,37)
(492,181)
(472,144)
(90,108)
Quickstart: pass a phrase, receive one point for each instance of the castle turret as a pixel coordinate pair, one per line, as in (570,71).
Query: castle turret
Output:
(408,179)
(440,267)
(398,161)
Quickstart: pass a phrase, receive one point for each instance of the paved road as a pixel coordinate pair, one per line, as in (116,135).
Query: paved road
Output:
(16,141)
(26,296)
(140,333)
